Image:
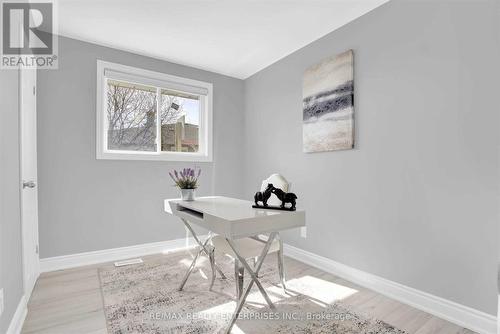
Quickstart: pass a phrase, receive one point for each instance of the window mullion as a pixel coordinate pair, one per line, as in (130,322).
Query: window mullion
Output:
(158,120)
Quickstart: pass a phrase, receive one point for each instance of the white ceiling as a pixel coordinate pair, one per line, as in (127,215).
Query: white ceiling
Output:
(233,37)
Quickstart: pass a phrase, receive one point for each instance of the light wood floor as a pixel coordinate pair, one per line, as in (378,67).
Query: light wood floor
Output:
(69,302)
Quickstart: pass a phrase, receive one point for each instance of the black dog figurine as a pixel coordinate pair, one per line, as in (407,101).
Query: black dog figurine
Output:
(285,197)
(264,196)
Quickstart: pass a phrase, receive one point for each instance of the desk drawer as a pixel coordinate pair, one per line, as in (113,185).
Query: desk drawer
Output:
(189,212)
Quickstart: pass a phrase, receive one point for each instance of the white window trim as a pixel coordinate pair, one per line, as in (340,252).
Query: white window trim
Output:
(156,79)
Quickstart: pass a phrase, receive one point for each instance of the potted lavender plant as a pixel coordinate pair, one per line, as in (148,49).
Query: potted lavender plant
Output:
(187,181)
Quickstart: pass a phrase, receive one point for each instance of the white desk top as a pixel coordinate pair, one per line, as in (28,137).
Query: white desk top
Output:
(233,217)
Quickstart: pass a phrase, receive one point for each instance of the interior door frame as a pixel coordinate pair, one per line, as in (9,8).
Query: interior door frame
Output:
(26,237)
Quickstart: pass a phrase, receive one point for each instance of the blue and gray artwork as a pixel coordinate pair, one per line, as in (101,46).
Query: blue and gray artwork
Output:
(328,105)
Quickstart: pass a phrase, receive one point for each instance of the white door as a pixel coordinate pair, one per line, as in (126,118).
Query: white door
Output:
(29,192)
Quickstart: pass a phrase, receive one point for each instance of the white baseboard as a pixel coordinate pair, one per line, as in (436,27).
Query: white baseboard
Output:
(114,254)
(16,324)
(461,315)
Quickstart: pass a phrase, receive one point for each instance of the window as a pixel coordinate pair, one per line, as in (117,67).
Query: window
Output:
(144,115)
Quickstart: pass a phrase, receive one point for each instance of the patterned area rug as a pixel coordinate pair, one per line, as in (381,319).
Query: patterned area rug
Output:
(144,299)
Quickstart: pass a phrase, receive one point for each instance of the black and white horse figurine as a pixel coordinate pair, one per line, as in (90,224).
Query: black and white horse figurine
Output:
(263,196)
(285,197)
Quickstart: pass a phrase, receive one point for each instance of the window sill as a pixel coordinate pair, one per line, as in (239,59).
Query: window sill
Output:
(196,157)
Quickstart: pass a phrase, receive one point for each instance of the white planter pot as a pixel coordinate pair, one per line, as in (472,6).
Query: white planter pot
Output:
(187,194)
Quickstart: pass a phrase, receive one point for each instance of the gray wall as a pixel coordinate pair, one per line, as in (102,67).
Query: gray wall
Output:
(416,201)
(87,204)
(11,271)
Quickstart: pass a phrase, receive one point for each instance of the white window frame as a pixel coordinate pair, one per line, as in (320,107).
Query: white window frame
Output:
(159,80)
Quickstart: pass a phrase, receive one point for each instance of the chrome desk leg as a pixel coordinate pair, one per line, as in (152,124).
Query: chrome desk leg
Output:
(254,279)
(211,256)
(203,249)
(191,267)
(281,265)
(203,246)
(239,274)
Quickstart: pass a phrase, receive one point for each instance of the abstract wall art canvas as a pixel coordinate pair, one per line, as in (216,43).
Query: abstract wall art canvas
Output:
(328,104)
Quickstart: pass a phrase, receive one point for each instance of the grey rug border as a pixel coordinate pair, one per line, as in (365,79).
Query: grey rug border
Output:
(99,269)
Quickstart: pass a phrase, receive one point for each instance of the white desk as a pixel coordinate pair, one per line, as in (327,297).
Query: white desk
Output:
(233,219)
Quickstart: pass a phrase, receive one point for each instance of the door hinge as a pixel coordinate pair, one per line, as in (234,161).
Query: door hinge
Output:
(36,249)
(34,90)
